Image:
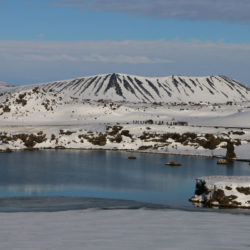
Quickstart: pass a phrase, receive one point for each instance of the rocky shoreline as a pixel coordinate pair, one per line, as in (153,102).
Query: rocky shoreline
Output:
(132,138)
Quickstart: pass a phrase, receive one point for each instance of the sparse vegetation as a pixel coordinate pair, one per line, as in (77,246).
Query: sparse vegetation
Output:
(208,141)
(144,147)
(29,140)
(243,190)
(53,137)
(113,130)
(223,200)
(66,132)
(126,133)
(238,132)
(21,100)
(6,109)
(99,139)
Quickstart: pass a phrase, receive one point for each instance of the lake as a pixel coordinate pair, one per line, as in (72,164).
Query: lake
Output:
(105,174)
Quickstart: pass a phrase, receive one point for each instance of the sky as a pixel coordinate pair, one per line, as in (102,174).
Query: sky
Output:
(47,40)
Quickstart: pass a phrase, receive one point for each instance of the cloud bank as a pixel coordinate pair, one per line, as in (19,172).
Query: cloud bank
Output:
(29,62)
(217,10)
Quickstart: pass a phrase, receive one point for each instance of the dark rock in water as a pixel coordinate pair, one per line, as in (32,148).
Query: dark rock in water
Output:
(222,162)
(132,157)
(200,187)
(173,163)
(7,150)
(230,155)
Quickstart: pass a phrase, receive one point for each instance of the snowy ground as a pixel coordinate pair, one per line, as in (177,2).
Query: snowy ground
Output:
(123,230)
(33,111)
(80,133)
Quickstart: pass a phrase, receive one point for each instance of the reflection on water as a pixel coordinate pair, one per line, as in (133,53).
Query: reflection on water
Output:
(106,175)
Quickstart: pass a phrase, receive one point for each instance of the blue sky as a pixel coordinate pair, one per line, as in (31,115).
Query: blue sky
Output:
(57,39)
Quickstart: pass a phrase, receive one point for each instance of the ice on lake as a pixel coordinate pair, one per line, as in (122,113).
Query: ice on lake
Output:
(123,230)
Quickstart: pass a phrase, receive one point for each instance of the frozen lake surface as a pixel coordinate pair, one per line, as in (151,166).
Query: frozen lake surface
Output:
(124,229)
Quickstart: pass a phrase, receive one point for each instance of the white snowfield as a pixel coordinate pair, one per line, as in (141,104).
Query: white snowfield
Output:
(123,230)
(222,180)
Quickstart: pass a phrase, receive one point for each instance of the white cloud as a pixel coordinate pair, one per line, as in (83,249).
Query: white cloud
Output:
(127,52)
(222,10)
(29,61)
(123,59)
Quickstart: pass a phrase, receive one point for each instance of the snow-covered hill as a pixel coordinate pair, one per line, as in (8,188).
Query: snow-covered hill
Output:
(130,88)
(49,118)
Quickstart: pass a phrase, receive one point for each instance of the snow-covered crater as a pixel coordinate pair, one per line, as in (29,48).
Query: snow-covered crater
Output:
(131,88)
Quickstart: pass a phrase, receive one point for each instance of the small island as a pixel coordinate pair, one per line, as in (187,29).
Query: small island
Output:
(173,163)
(132,157)
(222,192)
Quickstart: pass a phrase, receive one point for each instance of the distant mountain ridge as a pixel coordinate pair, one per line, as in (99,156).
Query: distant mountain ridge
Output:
(131,88)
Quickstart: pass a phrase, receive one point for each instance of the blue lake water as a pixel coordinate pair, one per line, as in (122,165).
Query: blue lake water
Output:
(106,174)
